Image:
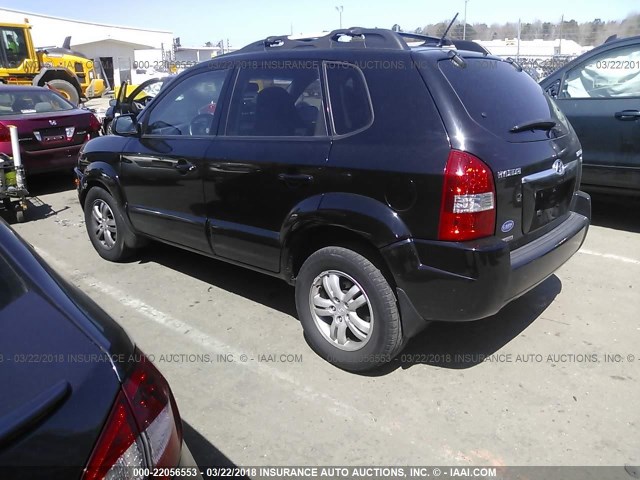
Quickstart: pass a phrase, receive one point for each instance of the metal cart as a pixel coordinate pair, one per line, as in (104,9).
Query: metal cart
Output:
(13,187)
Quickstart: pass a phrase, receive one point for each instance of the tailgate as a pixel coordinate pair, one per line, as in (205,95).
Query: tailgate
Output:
(535,187)
(509,123)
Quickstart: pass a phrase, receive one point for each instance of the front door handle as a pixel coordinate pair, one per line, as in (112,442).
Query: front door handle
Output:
(627,115)
(184,167)
(295,179)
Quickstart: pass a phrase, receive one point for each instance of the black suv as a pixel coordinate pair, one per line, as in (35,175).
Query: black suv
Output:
(391,185)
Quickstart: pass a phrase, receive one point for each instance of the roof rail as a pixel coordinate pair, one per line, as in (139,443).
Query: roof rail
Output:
(354,37)
(429,41)
(426,39)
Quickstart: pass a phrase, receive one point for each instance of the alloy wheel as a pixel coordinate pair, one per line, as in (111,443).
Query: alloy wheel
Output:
(341,310)
(103,224)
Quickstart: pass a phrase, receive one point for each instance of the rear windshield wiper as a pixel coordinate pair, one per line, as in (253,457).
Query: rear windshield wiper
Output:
(534,125)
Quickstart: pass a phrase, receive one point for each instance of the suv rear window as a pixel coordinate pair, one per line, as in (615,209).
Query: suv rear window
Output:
(498,97)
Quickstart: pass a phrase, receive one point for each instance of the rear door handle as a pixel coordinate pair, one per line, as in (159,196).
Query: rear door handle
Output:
(627,115)
(295,179)
(183,166)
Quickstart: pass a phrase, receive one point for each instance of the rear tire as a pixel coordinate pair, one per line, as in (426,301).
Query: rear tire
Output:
(67,89)
(106,226)
(348,310)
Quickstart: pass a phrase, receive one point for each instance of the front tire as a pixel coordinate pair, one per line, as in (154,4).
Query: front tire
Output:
(106,226)
(348,310)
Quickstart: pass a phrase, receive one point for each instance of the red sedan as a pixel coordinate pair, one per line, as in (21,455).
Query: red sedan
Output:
(51,130)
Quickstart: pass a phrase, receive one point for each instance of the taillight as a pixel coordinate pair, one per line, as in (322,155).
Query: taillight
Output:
(468,209)
(94,123)
(144,415)
(5,136)
(119,447)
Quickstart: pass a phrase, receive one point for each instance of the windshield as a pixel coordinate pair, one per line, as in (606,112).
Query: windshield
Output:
(24,102)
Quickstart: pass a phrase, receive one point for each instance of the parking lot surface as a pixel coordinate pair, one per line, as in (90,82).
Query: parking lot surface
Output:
(553,379)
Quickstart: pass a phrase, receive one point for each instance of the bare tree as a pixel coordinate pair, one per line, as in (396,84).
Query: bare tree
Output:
(585,33)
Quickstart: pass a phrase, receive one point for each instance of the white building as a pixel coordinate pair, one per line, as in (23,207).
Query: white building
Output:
(120,49)
(190,55)
(533,48)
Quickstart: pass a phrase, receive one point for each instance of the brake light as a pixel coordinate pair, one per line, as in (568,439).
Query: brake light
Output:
(94,123)
(468,208)
(144,415)
(5,135)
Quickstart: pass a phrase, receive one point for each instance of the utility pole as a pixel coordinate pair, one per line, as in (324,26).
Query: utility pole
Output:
(464,27)
(518,52)
(340,9)
(560,45)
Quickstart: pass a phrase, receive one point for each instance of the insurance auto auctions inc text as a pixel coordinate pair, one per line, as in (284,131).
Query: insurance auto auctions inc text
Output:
(372,472)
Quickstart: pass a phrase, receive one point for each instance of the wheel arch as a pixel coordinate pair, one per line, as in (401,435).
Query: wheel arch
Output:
(362,224)
(340,219)
(102,175)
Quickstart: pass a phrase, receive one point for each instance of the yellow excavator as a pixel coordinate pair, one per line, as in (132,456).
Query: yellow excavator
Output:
(70,73)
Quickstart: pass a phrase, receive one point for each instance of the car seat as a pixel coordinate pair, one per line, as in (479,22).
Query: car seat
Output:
(22,104)
(276,114)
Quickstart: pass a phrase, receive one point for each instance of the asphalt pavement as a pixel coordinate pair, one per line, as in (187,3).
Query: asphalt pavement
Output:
(553,379)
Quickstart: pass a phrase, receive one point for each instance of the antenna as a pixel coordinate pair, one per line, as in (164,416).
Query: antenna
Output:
(441,42)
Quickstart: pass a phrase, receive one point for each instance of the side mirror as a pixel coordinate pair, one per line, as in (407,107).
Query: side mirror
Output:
(126,126)
(113,102)
(553,89)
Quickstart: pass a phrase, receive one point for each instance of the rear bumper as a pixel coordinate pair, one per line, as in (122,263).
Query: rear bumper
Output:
(467,281)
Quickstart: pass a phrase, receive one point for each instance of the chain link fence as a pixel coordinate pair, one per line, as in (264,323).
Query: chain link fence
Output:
(541,66)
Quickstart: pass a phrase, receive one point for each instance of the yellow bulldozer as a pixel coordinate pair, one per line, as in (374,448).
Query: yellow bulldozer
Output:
(70,73)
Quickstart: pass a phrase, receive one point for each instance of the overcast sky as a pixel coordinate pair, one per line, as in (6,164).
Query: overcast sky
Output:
(243,21)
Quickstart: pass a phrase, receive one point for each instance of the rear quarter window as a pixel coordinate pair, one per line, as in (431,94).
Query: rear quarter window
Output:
(499,97)
(351,107)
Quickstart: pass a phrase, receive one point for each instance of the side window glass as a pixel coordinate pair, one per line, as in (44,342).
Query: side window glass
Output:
(615,73)
(273,100)
(189,108)
(14,45)
(151,90)
(349,96)
(552,90)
